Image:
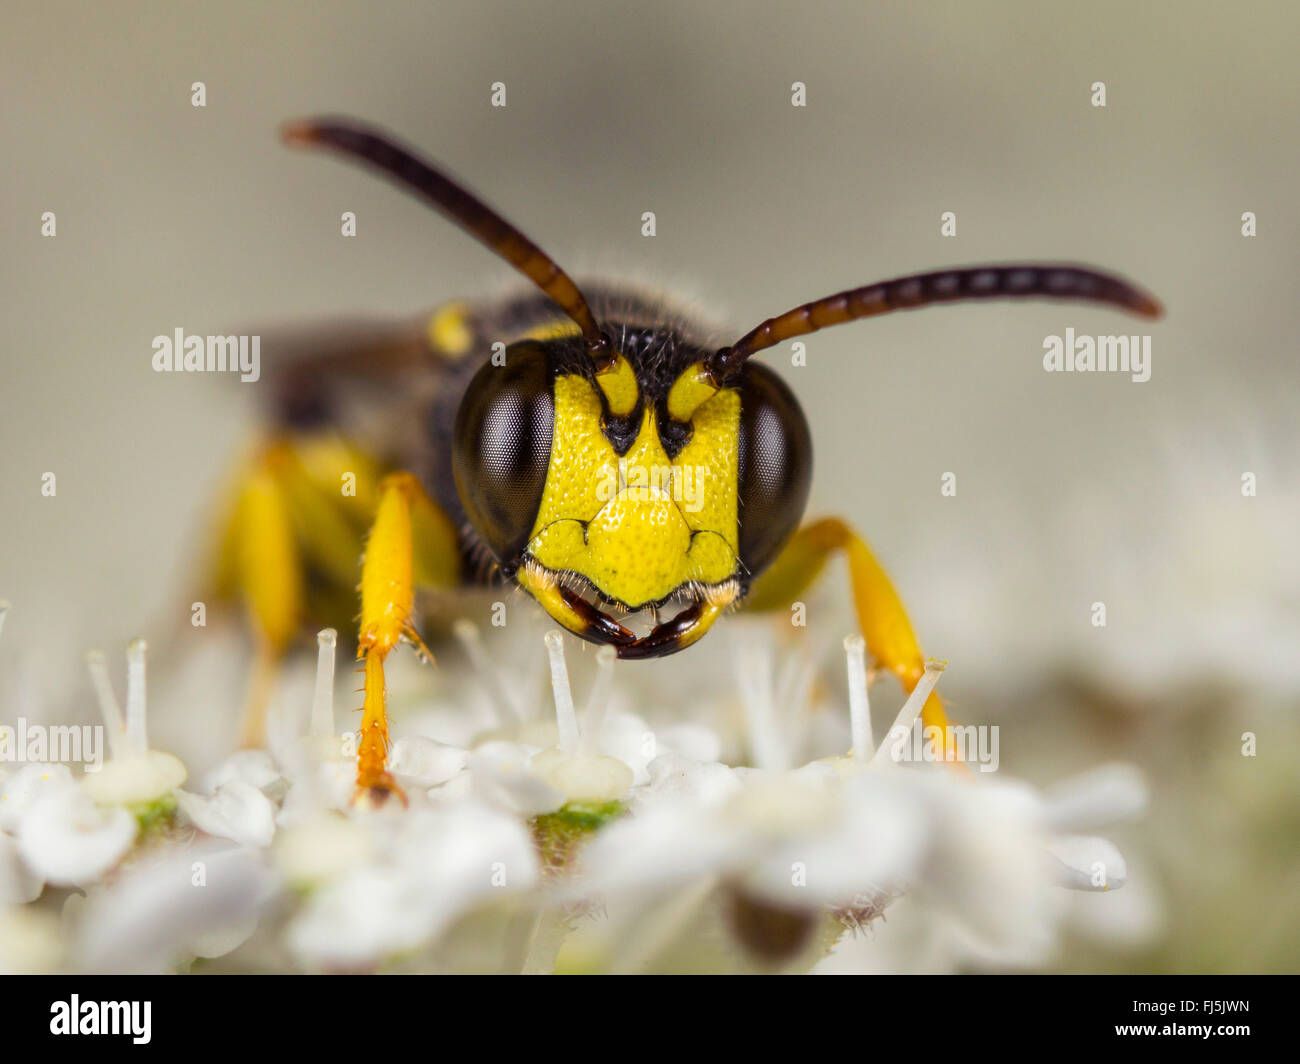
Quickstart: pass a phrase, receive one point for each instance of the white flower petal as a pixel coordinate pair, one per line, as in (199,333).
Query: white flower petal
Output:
(442,861)
(678,776)
(319,849)
(871,845)
(66,839)
(457,789)
(627,738)
(338,782)
(1095,799)
(1085,862)
(254,767)
(462,853)
(171,908)
(1135,916)
(23,787)
(583,777)
(426,762)
(985,867)
(356,923)
(660,845)
(779,804)
(325,785)
(18,883)
(501,774)
(237,811)
(694,741)
(218,941)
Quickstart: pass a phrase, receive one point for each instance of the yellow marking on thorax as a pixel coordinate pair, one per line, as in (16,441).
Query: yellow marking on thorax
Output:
(449,330)
(552,330)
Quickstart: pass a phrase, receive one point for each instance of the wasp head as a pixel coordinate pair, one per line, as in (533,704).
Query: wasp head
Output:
(633,497)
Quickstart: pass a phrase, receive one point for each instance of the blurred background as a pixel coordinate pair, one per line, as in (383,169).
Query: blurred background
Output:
(1071,489)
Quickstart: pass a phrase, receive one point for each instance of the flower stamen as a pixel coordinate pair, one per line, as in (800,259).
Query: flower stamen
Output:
(322,702)
(108,707)
(593,714)
(566,717)
(911,708)
(855,653)
(137,735)
(467,634)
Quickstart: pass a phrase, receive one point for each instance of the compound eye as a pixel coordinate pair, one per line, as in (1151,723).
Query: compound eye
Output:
(501,448)
(775,468)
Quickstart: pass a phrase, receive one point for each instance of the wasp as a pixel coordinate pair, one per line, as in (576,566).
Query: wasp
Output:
(585,444)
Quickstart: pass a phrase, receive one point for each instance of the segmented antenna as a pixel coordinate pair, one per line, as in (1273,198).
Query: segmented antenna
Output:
(377,149)
(925,289)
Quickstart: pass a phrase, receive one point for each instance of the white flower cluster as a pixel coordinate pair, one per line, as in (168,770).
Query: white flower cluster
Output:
(591,843)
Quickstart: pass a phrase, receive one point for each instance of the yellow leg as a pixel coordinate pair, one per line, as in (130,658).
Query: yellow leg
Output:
(282,523)
(387,600)
(885,627)
(262,558)
(294,490)
(289,551)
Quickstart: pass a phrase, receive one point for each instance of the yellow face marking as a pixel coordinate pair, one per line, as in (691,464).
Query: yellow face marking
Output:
(618,382)
(640,526)
(619,385)
(449,331)
(689,391)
